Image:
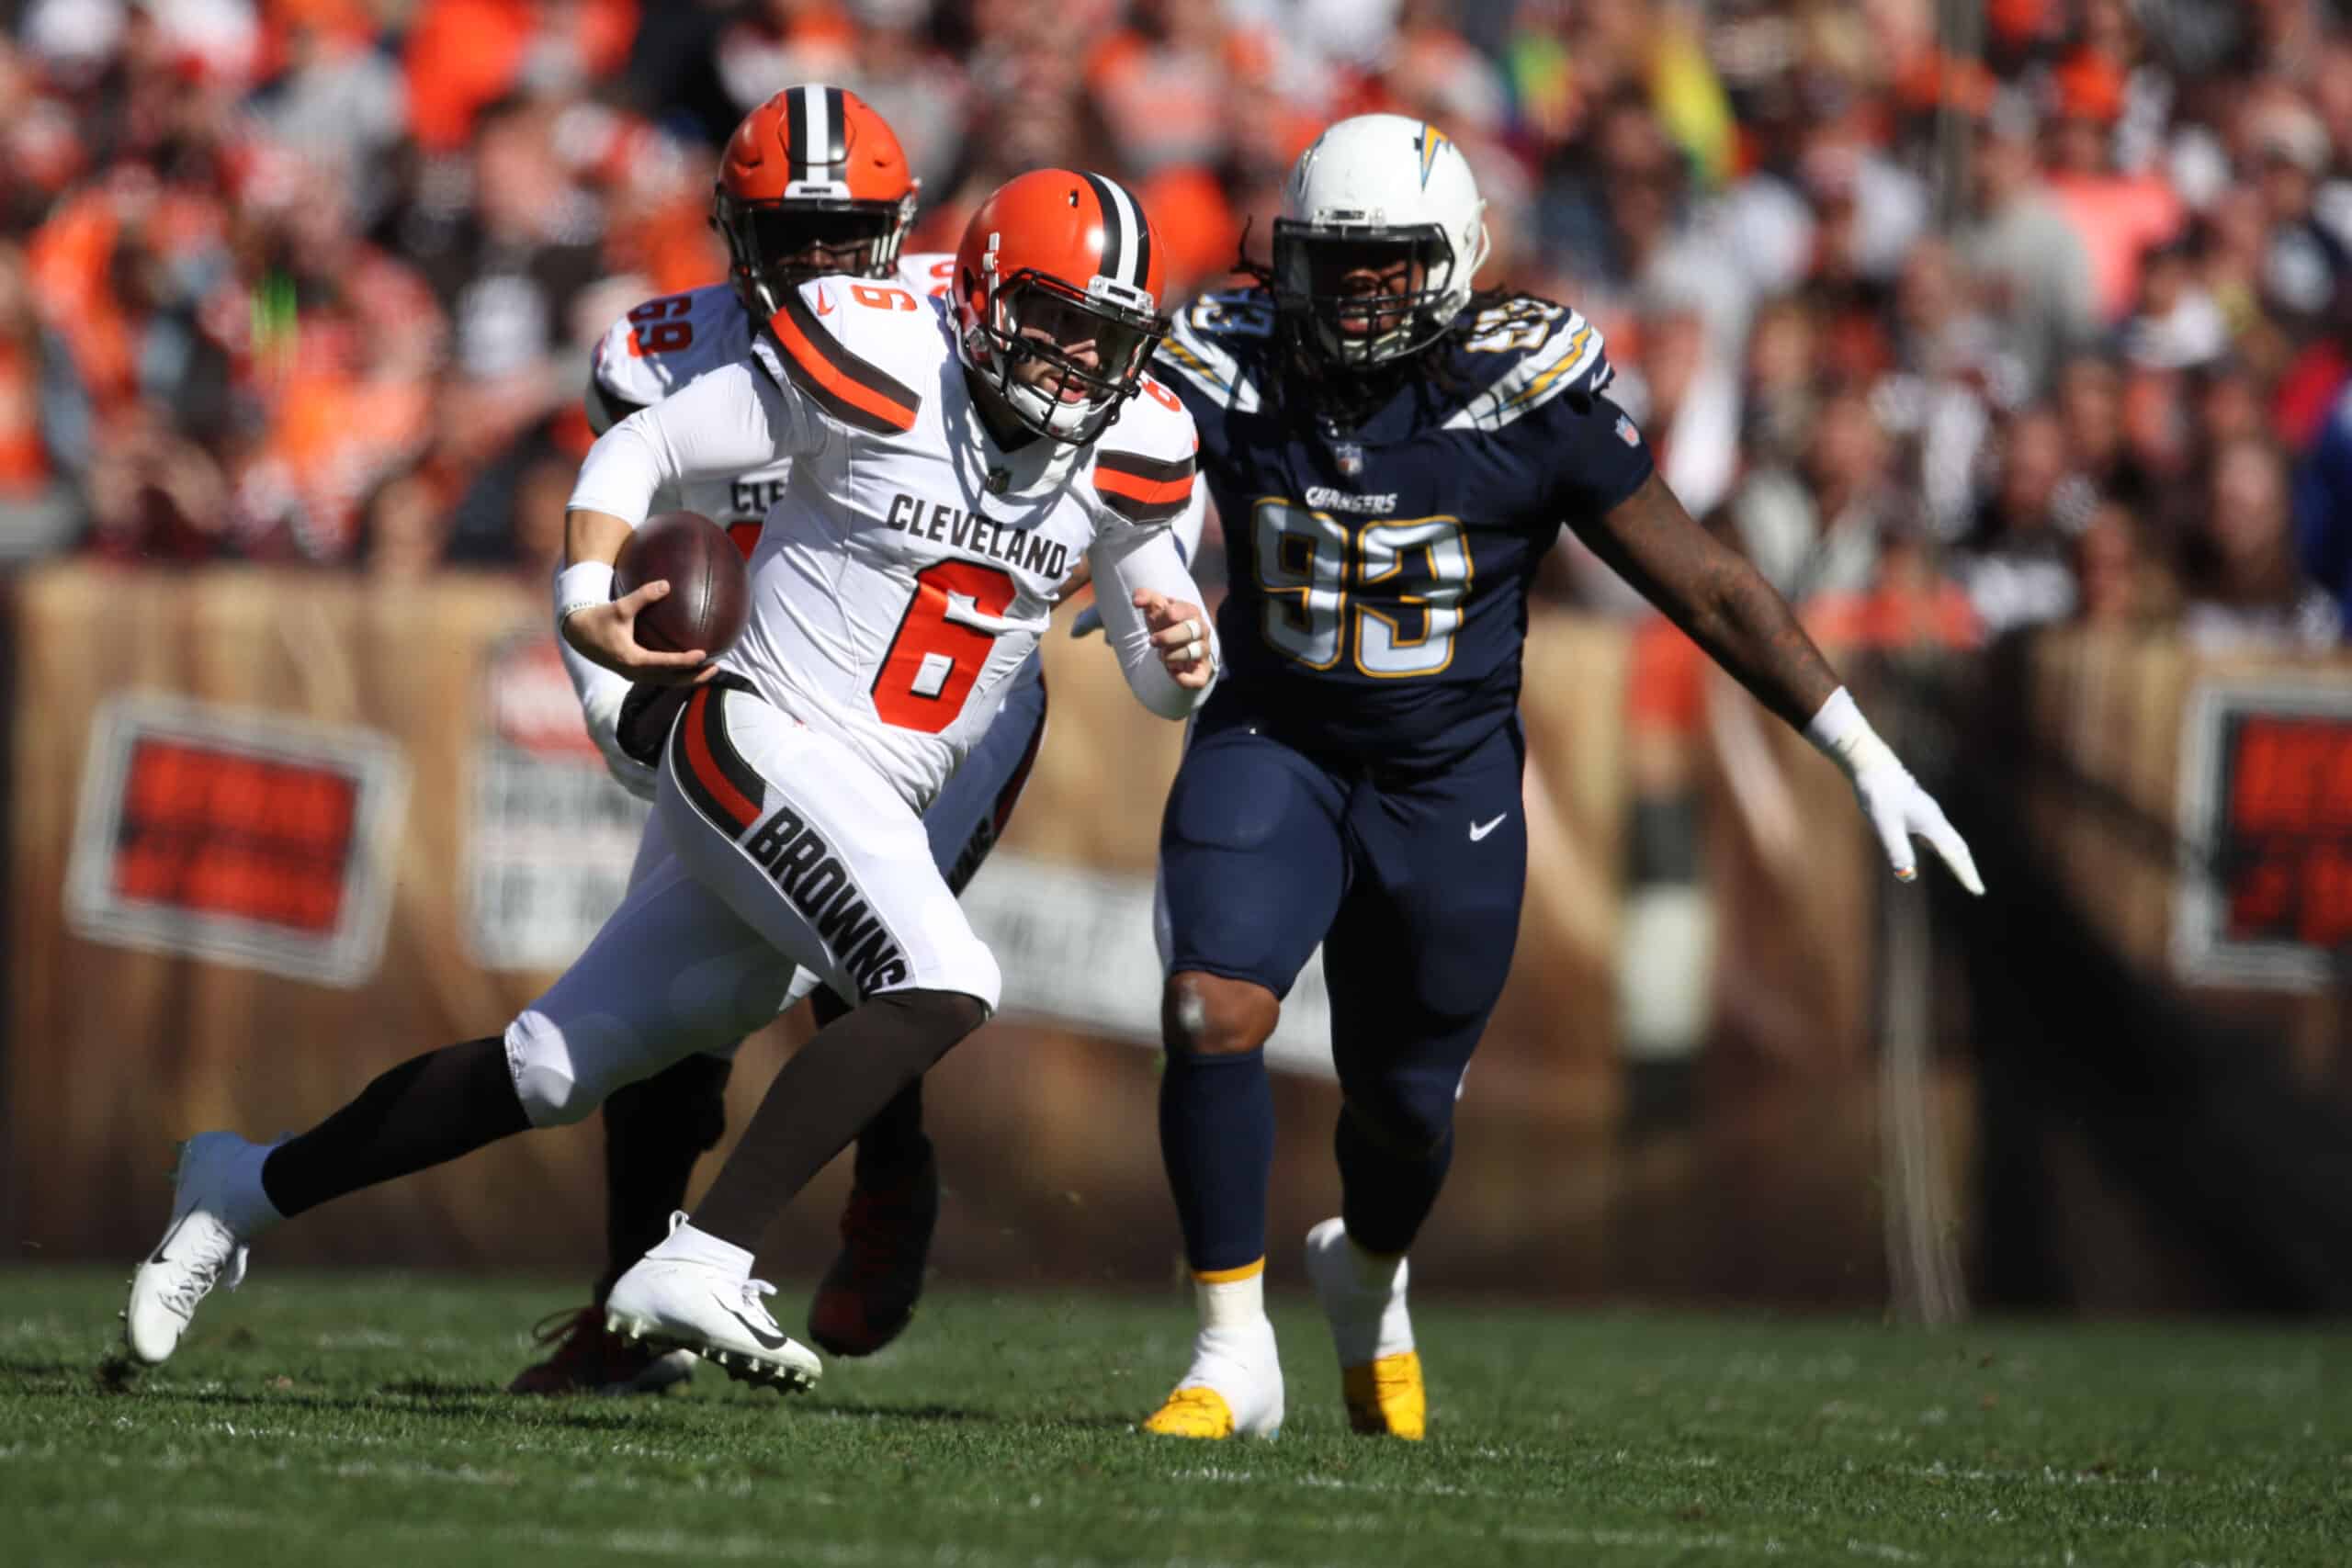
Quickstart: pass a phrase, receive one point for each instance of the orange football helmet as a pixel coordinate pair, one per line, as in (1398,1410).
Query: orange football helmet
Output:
(1063,268)
(812,182)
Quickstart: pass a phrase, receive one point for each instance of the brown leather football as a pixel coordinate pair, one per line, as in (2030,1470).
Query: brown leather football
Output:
(710,592)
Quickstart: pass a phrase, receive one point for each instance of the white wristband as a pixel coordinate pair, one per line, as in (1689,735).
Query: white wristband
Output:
(1845,737)
(580,584)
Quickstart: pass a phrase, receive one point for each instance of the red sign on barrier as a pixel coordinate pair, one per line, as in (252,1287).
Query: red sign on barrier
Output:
(2267,797)
(239,837)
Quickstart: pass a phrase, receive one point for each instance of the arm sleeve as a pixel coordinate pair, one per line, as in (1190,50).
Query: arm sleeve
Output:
(1188,525)
(733,419)
(1121,562)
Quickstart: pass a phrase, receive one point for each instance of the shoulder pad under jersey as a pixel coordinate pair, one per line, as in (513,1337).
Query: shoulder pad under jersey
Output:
(1216,346)
(860,352)
(931,272)
(661,345)
(1143,465)
(1520,354)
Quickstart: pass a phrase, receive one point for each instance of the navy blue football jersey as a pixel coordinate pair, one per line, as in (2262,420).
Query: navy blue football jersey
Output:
(1380,572)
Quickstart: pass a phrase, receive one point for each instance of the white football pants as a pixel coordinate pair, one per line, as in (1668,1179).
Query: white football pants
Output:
(775,860)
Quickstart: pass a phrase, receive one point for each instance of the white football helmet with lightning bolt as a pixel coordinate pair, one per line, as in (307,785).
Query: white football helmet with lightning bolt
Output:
(1380,235)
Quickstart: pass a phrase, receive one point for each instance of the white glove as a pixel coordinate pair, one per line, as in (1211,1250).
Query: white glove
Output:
(601,708)
(1898,808)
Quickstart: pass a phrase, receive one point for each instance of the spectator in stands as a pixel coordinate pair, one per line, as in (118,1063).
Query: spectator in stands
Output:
(44,424)
(1815,529)
(2118,214)
(2304,264)
(2122,585)
(2247,589)
(2176,324)
(509,261)
(2323,506)
(1687,403)
(463,56)
(2026,262)
(2018,566)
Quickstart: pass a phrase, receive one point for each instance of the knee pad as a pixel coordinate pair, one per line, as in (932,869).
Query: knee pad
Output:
(562,1073)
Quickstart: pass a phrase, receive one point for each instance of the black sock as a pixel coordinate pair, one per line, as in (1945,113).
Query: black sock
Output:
(1217,1140)
(425,1112)
(654,1131)
(891,1148)
(827,1091)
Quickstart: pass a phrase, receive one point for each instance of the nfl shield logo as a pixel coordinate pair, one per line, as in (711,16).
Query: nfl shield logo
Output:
(1626,432)
(1349,457)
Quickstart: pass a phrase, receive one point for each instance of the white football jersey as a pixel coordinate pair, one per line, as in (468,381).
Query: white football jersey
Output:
(909,565)
(666,343)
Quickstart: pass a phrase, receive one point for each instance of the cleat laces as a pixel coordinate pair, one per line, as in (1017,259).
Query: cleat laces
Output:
(752,1291)
(198,1278)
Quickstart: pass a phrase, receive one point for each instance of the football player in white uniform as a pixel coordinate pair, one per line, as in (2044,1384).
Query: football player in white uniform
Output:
(812,182)
(955,464)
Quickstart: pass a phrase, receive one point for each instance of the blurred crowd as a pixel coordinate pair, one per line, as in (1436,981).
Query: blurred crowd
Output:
(1955,318)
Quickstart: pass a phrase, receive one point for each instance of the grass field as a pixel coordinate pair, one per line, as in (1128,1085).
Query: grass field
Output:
(355,1419)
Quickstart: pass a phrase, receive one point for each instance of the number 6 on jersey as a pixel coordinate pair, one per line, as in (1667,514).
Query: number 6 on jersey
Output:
(937,653)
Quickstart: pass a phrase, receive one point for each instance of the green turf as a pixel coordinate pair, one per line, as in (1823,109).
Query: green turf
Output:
(353,1419)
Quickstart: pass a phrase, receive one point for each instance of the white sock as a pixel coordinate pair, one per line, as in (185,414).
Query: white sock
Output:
(1373,1321)
(1386,1275)
(1232,1306)
(686,1245)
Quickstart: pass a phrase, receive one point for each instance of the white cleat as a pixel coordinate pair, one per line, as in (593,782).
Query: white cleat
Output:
(717,1315)
(204,1246)
(1233,1389)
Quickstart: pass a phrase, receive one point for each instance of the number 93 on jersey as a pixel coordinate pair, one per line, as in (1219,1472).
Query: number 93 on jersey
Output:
(1386,596)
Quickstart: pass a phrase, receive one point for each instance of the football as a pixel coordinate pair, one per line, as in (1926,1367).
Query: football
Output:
(710,593)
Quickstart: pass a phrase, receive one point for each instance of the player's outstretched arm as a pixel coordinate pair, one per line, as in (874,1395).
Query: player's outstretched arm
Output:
(1152,616)
(1723,603)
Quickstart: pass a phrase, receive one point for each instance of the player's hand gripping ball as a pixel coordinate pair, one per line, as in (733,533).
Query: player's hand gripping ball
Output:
(710,592)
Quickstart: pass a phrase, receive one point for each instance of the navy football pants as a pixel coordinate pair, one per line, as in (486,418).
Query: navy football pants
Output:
(1413,885)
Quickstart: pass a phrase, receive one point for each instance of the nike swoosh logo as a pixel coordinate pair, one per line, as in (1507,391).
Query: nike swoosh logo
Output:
(767,1341)
(165,1245)
(1480,829)
(824,303)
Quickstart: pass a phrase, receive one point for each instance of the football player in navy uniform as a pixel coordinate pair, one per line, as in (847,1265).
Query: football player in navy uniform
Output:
(1392,453)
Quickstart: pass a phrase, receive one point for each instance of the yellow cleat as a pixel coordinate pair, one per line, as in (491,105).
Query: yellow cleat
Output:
(1386,1398)
(1193,1413)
